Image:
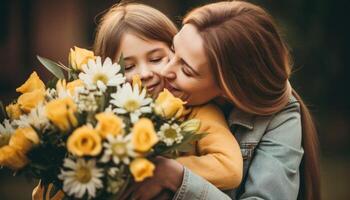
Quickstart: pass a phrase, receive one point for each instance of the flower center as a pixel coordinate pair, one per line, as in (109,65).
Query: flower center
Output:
(83,174)
(170,133)
(119,148)
(101,77)
(131,105)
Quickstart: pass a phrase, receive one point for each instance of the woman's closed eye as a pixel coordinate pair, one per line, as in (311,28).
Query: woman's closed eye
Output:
(156,60)
(186,71)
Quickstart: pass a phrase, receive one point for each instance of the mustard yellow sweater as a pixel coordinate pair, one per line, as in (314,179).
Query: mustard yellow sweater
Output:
(217,156)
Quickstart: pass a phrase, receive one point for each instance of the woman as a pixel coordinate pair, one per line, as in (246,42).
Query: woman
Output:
(143,36)
(272,124)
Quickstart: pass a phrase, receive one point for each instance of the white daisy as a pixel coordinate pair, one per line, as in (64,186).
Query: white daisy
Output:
(6,129)
(170,134)
(96,74)
(118,148)
(82,176)
(36,118)
(131,100)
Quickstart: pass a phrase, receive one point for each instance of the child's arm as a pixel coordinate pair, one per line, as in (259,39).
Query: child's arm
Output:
(219,157)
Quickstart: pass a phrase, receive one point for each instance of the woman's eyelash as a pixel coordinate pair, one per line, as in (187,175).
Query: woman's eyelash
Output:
(156,60)
(185,72)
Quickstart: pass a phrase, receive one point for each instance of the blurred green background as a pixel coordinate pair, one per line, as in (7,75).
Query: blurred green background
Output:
(317,31)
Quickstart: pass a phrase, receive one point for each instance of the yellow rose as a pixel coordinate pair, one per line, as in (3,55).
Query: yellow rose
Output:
(12,158)
(62,113)
(30,100)
(23,139)
(13,155)
(74,84)
(141,168)
(62,86)
(169,106)
(33,83)
(84,141)
(79,57)
(13,111)
(136,80)
(109,123)
(143,135)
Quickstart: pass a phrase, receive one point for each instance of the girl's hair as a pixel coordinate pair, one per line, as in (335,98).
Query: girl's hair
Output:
(252,64)
(144,21)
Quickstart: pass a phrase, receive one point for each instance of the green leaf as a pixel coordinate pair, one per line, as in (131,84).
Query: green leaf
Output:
(52,66)
(121,62)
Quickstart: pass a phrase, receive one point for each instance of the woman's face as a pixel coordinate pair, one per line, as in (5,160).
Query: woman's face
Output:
(188,74)
(145,58)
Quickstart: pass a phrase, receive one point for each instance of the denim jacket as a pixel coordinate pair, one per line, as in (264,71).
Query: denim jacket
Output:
(272,152)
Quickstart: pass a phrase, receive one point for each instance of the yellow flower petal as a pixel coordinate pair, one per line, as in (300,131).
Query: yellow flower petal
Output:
(144,135)
(23,139)
(169,106)
(12,158)
(33,83)
(84,141)
(30,100)
(109,123)
(62,113)
(141,168)
(13,111)
(79,57)
(136,81)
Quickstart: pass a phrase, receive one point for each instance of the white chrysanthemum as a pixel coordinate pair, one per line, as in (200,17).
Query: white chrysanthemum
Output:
(170,134)
(36,118)
(131,100)
(6,130)
(82,176)
(87,99)
(96,74)
(118,148)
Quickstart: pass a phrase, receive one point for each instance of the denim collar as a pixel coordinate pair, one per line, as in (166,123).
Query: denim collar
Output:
(246,120)
(240,118)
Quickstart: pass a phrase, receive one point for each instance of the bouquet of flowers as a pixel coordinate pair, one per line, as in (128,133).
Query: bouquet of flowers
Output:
(88,132)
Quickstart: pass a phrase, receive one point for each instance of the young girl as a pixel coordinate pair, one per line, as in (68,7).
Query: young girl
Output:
(143,35)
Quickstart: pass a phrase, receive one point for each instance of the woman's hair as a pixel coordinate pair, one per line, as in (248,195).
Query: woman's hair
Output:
(144,21)
(252,64)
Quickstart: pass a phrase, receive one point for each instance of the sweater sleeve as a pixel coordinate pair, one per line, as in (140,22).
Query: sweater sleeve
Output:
(218,157)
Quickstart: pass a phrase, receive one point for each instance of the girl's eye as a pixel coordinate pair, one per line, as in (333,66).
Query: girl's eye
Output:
(129,67)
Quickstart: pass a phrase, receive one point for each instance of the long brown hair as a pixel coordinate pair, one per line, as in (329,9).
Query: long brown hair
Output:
(252,64)
(142,20)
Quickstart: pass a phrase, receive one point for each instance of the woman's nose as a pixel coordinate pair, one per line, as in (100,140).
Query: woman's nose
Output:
(168,71)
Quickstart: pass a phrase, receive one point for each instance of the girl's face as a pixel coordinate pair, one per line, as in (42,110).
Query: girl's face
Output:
(188,74)
(145,58)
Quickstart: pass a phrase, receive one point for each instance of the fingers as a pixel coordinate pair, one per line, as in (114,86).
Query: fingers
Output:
(129,191)
(164,195)
(148,190)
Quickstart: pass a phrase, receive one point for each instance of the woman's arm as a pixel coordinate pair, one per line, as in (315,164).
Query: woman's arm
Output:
(274,170)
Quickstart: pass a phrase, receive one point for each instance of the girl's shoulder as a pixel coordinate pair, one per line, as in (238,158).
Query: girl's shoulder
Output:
(208,111)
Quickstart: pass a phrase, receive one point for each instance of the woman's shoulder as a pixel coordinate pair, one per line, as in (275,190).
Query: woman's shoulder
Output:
(251,128)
